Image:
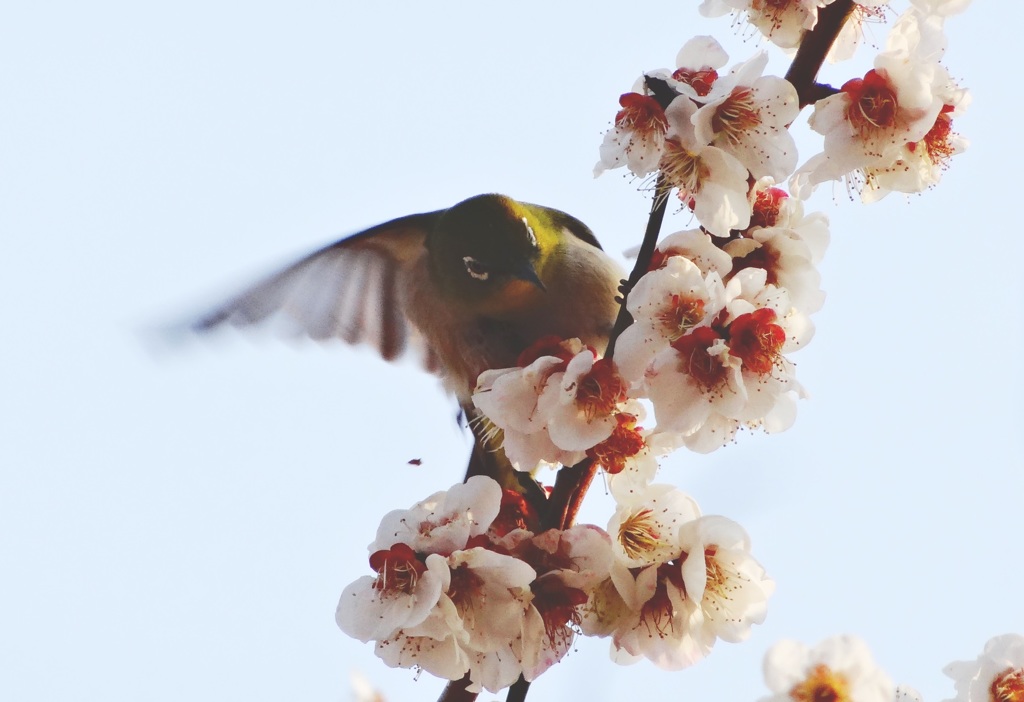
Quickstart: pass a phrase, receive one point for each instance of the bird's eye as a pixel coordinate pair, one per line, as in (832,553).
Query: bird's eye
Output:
(475,268)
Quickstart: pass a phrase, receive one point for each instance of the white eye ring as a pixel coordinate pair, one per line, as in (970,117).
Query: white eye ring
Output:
(529,230)
(475,268)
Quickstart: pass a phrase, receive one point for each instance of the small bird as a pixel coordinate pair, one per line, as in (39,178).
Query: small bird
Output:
(468,288)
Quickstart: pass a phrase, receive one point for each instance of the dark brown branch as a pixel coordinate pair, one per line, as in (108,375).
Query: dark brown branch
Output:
(814,47)
(455,691)
(643,258)
(517,693)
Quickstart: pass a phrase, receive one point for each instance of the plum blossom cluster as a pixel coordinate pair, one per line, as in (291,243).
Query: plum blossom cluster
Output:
(713,320)
(715,134)
(465,584)
(711,136)
(678,581)
(892,129)
(462,587)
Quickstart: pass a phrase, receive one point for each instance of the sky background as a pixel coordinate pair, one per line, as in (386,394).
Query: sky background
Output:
(177,523)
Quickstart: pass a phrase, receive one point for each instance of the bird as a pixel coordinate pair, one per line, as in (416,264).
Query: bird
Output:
(466,289)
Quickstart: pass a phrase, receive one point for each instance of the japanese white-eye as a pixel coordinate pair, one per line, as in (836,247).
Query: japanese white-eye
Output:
(468,288)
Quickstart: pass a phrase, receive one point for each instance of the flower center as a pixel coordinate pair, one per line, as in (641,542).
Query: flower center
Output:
(694,359)
(767,206)
(638,534)
(873,102)
(465,586)
(515,513)
(600,390)
(763,257)
(822,685)
(736,115)
(700,79)
(398,569)
(681,315)
(936,142)
(641,114)
(1008,686)
(658,612)
(557,604)
(682,168)
(756,340)
(624,443)
(716,576)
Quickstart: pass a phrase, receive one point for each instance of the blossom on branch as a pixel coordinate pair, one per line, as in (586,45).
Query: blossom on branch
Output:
(891,129)
(495,605)
(665,304)
(714,379)
(678,583)
(637,139)
(697,65)
(747,115)
(783,23)
(558,408)
(710,181)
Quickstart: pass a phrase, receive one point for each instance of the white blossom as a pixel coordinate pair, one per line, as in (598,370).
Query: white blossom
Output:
(711,181)
(839,668)
(997,675)
(747,115)
(782,23)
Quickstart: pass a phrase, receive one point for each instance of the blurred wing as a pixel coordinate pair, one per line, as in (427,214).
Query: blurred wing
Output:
(350,290)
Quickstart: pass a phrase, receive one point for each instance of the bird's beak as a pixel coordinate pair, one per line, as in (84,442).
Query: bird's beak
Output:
(527,272)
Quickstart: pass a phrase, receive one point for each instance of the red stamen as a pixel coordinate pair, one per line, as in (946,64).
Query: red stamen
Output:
(641,113)
(398,569)
(700,79)
(600,390)
(873,103)
(624,443)
(695,360)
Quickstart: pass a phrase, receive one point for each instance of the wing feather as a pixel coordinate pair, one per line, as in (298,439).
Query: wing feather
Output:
(351,290)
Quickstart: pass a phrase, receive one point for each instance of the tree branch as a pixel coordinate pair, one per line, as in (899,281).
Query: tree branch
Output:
(567,496)
(572,483)
(455,691)
(813,48)
(643,259)
(517,692)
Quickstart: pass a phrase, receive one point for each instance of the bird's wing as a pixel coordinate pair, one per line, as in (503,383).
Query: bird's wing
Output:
(350,290)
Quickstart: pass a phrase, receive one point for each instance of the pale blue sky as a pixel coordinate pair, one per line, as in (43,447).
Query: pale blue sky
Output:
(179,525)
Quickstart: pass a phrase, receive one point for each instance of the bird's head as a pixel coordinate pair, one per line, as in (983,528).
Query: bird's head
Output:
(489,253)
